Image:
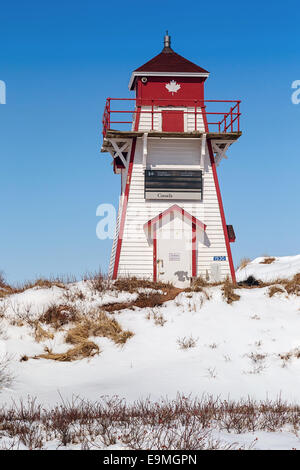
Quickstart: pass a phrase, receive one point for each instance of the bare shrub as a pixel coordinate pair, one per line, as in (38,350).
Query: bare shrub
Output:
(158,317)
(59,315)
(211,372)
(6,377)
(255,317)
(179,424)
(244,262)
(5,288)
(99,282)
(289,355)
(187,342)
(258,364)
(228,292)
(257,357)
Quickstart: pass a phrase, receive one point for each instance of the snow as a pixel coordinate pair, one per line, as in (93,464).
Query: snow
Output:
(284,267)
(151,363)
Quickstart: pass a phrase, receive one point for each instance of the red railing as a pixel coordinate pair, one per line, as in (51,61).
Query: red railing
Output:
(224,120)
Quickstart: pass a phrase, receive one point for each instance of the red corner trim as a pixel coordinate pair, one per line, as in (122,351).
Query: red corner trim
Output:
(212,161)
(194,248)
(154,255)
(124,209)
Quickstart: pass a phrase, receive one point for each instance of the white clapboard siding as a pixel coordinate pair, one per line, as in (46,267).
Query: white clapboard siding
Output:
(145,118)
(190,121)
(136,257)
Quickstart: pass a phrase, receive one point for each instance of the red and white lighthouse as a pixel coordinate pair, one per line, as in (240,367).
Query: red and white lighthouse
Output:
(166,144)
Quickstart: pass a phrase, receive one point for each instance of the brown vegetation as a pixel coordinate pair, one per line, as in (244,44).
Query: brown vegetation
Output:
(275,290)
(244,262)
(157,317)
(40,334)
(132,284)
(228,292)
(180,424)
(59,315)
(80,351)
(98,324)
(144,300)
(267,260)
(7,289)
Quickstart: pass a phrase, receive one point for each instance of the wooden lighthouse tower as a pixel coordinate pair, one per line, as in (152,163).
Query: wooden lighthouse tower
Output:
(166,144)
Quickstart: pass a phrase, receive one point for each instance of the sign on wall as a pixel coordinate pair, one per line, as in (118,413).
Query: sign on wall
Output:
(173,184)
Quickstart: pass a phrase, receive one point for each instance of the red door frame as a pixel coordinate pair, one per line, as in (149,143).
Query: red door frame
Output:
(194,223)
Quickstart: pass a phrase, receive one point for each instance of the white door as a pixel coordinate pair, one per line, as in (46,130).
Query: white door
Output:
(174,262)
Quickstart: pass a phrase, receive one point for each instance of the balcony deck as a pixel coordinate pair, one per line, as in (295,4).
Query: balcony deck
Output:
(117,134)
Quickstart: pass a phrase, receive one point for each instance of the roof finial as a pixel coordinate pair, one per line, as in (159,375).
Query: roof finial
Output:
(167,41)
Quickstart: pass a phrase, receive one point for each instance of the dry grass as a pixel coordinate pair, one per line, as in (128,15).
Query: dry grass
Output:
(98,324)
(132,284)
(267,260)
(7,289)
(80,351)
(40,334)
(198,283)
(92,324)
(275,290)
(59,315)
(228,292)
(244,262)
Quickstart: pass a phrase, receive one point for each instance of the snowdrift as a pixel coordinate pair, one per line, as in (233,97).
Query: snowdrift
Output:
(284,267)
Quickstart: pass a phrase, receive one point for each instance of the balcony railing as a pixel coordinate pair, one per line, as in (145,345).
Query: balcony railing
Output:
(221,116)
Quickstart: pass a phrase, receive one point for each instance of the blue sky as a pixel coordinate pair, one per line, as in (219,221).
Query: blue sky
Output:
(61,59)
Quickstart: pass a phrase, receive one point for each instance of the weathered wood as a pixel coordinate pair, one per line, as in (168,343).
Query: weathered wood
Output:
(115,134)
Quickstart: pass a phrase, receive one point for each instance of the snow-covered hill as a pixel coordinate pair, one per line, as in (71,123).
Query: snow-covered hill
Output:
(279,268)
(246,348)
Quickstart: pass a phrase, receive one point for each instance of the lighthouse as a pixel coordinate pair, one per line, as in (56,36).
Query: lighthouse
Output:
(166,143)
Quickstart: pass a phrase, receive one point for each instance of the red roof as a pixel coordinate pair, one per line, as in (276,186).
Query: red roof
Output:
(170,61)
